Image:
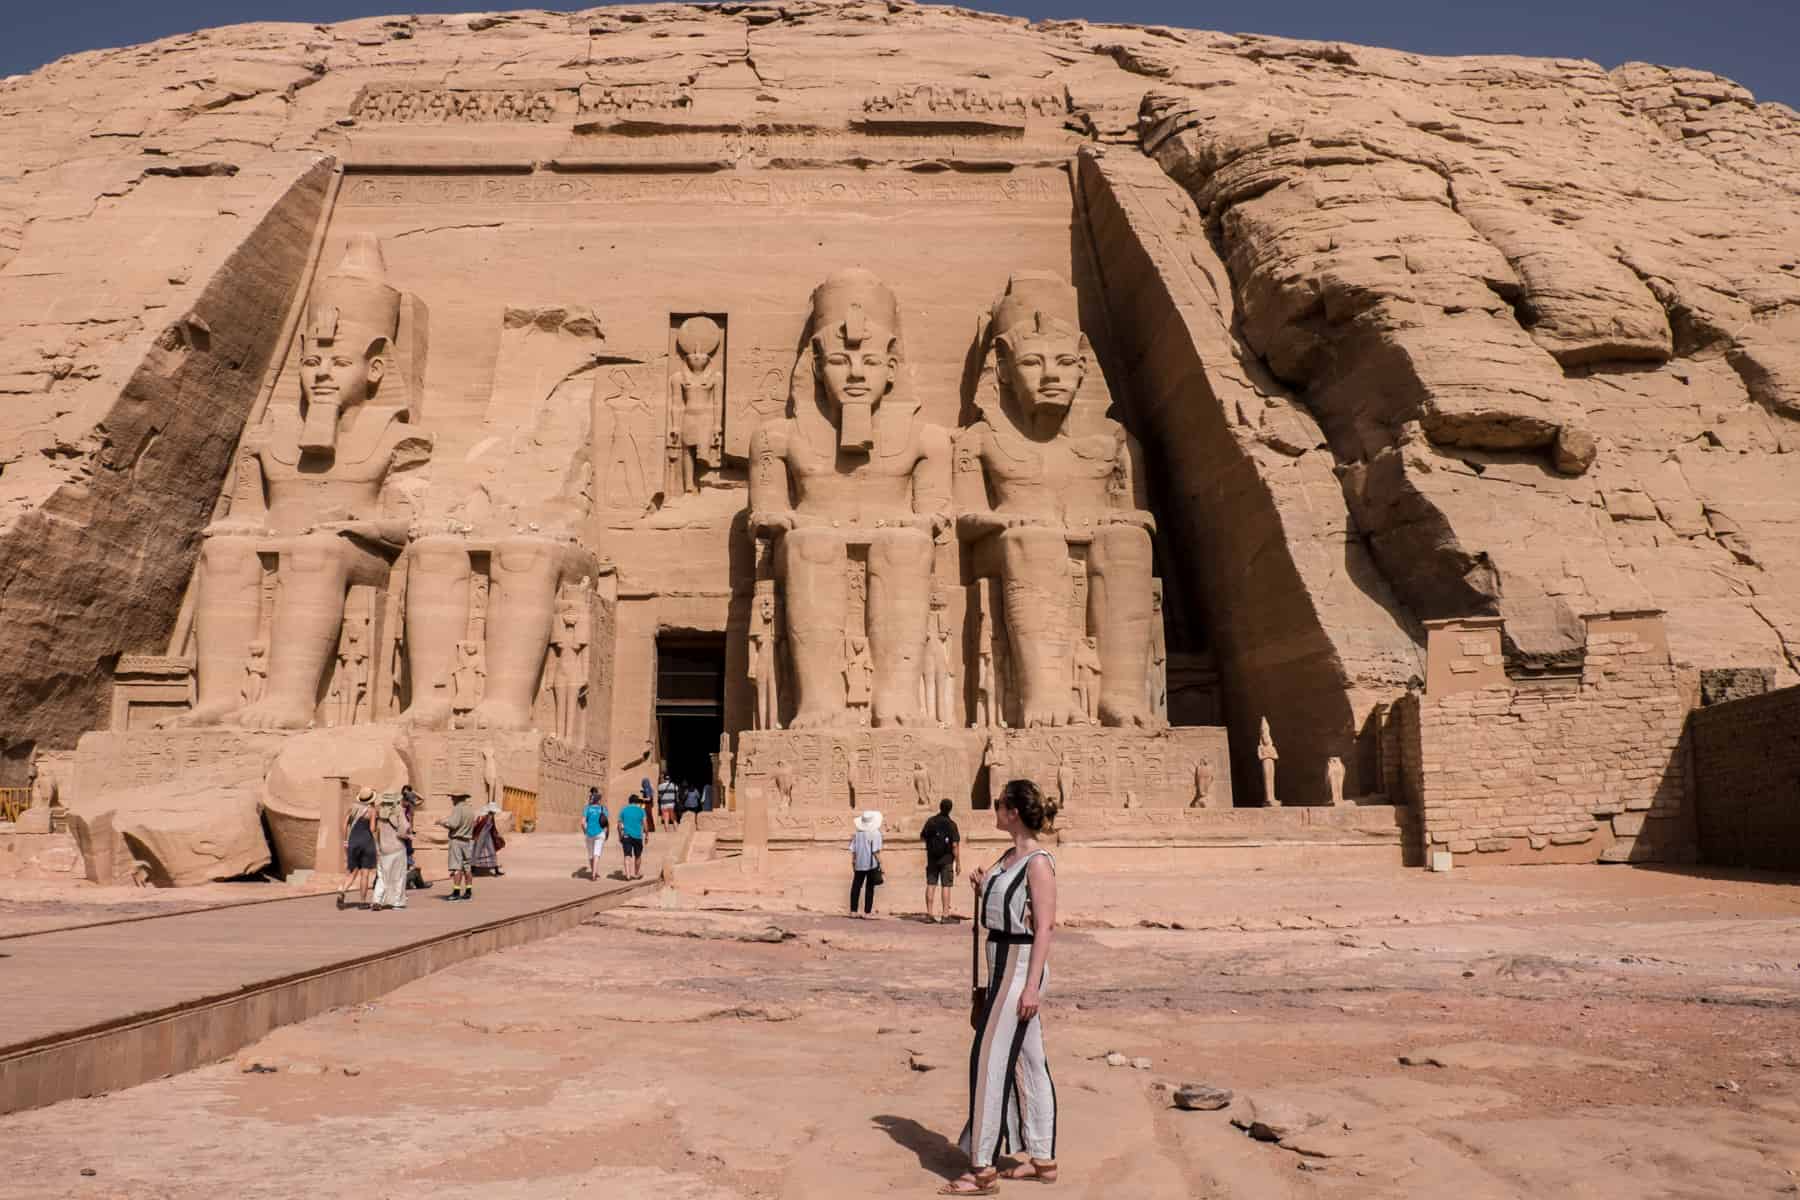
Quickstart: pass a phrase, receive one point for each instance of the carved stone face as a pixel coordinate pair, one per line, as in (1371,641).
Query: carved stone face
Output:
(333,372)
(697,360)
(1042,371)
(856,378)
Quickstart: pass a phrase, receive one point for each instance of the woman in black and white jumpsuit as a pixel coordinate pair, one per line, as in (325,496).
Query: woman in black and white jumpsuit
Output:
(1012,1099)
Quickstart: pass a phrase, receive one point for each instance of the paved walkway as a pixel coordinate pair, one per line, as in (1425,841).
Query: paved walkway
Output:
(98,983)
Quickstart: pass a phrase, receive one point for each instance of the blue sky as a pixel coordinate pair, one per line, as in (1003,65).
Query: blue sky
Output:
(1756,42)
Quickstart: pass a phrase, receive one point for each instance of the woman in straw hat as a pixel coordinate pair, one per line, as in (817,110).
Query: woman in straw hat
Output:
(865,861)
(1012,1101)
(359,846)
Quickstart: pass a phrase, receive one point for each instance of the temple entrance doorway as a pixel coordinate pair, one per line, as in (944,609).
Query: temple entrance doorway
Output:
(690,704)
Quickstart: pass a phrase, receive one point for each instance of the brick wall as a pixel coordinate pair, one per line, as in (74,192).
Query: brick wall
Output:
(1746,756)
(1562,769)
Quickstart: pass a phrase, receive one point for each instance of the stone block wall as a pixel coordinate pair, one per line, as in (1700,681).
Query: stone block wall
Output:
(1570,768)
(1747,781)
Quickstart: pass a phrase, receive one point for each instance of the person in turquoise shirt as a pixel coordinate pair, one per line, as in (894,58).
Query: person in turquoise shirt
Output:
(631,838)
(594,820)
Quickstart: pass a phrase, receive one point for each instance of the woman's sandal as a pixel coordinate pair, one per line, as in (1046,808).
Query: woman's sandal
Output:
(985,1182)
(1039,1170)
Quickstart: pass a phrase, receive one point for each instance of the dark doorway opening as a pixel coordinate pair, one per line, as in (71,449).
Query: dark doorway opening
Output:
(690,704)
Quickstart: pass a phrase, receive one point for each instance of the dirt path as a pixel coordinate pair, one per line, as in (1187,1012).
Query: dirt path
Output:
(1646,1047)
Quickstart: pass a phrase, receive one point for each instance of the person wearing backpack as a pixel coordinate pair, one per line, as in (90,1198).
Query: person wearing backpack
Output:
(595,821)
(943,859)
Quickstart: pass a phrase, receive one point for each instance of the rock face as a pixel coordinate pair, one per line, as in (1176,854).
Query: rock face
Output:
(1400,338)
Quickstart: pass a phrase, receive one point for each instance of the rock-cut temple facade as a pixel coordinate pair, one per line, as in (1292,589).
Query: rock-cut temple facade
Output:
(849,406)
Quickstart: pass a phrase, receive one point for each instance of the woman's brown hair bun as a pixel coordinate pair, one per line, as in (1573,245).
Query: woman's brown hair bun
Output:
(1024,798)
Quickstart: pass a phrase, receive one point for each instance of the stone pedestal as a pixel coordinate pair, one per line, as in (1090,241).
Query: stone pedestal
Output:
(837,773)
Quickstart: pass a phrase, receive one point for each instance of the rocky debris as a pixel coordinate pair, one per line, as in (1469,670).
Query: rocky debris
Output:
(1275,1120)
(924,1060)
(1200,1097)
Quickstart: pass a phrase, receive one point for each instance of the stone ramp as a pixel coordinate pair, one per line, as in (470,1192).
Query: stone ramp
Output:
(98,1007)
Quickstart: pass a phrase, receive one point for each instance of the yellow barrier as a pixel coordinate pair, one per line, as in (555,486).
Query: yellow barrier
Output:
(522,805)
(14,801)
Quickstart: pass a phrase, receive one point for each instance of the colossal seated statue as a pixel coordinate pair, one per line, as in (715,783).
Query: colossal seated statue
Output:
(853,471)
(1049,490)
(322,494)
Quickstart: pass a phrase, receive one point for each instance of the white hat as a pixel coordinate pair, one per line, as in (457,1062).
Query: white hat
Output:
(491,807)
(869,821)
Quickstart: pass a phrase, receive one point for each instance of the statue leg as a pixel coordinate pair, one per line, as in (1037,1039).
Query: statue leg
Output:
(316,573)
(1035,562)
(437,617)
(226,610)
(521,611)
(1119,606)
(813,593)
(899,609)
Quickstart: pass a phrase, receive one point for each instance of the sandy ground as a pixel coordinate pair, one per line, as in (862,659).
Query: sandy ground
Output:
(1591,1032)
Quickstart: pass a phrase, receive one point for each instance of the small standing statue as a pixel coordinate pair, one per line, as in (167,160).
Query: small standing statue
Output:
(350,682)
(568,674)
(763,669)
(1087,680)
(921,779)
(256,671)
(722,773)
(858,678)
(694,396)
(466,681)
(1334,774)
(1159,656)
(1266,752)
(938,680)
(987,696)
(1203,781)
(490,776)
(784,783)
(1065,783)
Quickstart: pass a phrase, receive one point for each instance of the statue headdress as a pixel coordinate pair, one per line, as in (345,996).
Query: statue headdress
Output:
(698,335)
(1037,302)
(355,302)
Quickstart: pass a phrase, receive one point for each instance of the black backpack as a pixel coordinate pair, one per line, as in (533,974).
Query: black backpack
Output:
(939,840)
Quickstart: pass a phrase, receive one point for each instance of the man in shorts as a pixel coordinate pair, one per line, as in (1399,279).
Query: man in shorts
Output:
(459,823)
(943,858)
(631,837)
(594,821)
(668,796)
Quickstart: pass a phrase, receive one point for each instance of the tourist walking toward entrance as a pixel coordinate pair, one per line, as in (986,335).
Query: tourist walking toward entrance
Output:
(865,861)
(359,847)
(594,821)
(667,795)
(488,842)
(632,820)
(1012,1101)
(409,808)
(943,859)
(459,823)
(690,803)
(390,852)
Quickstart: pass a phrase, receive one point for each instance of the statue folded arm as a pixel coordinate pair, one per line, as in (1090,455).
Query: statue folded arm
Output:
(1131,501)
(249,509)
(771,503)
(975,515)
(405,479)
(932,480)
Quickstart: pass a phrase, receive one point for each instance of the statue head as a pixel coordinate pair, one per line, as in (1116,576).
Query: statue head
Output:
(855,332)
(765,606)
(352,318)
(1041,357)
(698,340)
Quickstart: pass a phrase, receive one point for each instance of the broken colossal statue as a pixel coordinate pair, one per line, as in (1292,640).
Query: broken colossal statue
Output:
(853,489)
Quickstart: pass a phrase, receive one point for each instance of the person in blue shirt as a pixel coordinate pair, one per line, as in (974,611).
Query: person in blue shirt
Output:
(631,838)
(594,822)
(690,803)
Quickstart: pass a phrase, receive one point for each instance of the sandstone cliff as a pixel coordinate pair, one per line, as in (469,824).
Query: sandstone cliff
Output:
(1405,337)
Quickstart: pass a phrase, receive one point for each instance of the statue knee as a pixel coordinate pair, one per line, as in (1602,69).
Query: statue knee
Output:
(1121,548)
(1033,545)
(810,546)
(520,555)
(900,549)
(313,554)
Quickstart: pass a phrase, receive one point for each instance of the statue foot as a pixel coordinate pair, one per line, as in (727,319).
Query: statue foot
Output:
(1050,715)
(275,714)
(1126,716)
(429,713)
(216,713)
(500,714)
(813,719)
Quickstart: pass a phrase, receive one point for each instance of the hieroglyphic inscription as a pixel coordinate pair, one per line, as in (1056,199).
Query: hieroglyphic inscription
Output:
(783,190)
(565,772)
(107,761)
